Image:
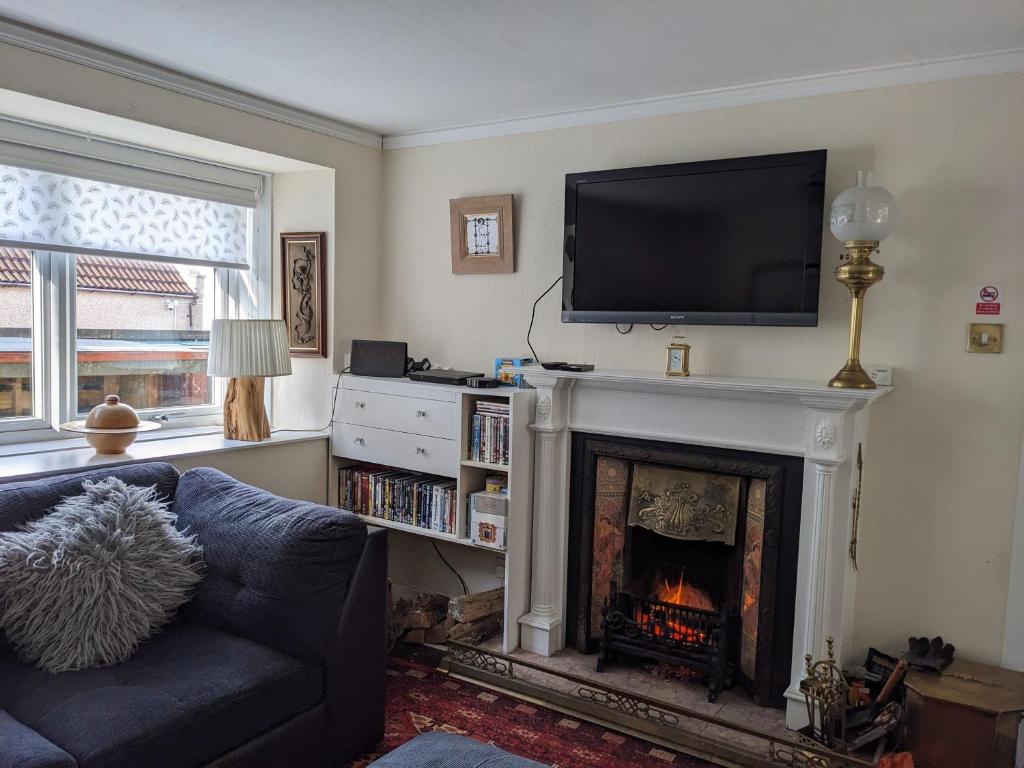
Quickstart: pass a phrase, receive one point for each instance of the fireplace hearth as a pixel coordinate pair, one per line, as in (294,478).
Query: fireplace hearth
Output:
(685,557)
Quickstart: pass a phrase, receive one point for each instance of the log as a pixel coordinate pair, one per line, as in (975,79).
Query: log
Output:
(245,417)
(415,636)
(437,634)
(427,611)
(465,608)
(476,631)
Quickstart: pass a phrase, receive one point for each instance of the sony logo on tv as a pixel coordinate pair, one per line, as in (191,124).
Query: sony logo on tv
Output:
(677,317)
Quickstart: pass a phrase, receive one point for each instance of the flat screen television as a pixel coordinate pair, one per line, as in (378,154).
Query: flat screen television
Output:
(720,242)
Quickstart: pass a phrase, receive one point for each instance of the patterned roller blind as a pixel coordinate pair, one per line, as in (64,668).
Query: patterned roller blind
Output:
(48,211)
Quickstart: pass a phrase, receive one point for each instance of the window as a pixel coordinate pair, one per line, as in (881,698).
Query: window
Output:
(143,333)
(113,265)
(16,311)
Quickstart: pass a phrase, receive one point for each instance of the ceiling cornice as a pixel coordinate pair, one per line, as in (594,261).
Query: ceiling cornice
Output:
(62,47)
(909,73)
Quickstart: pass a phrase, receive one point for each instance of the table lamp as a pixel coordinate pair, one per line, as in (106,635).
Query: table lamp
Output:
(247,351)
(861,218)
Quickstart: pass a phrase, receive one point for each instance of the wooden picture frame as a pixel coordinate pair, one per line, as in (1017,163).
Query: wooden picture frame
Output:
(481,231)
(304,292)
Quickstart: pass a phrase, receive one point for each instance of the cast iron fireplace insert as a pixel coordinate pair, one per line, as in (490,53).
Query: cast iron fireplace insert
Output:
(720,609)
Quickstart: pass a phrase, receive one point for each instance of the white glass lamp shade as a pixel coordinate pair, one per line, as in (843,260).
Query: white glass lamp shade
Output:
(249,348)
(863,212)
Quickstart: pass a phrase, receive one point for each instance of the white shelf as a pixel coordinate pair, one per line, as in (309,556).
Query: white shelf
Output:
(416,530)
(484,465)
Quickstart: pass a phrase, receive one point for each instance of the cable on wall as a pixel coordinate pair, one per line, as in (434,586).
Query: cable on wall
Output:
(451,567)
(533,314)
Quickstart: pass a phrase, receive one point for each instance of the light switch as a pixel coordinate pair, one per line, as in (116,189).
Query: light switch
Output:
(985,337)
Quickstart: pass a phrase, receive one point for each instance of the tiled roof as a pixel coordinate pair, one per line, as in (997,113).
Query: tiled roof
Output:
(100,273)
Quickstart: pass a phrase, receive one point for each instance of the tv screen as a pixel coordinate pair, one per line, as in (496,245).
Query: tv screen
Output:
(722,242)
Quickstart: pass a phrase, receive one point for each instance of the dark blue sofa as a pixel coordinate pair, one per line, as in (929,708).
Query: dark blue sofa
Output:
(279,659)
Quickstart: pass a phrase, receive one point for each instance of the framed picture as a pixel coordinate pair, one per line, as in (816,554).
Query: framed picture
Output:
(482,235)
(304,292)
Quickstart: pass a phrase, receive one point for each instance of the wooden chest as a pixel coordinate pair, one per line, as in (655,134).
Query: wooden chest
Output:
(966,717)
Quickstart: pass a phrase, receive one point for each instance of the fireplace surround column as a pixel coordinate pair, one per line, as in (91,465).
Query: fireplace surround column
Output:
(543,628)
(827,583)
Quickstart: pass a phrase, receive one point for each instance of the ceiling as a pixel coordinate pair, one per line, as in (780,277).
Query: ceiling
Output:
(406,66)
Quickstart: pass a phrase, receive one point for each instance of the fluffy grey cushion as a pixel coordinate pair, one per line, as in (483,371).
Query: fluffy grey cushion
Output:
(83,585)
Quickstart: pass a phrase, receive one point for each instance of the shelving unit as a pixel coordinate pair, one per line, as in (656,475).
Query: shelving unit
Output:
(416,427)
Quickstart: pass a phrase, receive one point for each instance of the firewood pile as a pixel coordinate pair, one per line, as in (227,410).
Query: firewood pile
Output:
(436,619)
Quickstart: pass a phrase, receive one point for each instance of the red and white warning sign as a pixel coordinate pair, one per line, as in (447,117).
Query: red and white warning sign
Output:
(988,301)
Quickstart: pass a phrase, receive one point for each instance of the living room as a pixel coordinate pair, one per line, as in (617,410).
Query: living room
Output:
(353,144)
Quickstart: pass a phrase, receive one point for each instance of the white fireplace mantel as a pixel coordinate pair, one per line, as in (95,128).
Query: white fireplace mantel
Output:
(778,416)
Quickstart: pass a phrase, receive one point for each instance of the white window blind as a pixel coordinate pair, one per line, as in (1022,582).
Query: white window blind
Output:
(72,194)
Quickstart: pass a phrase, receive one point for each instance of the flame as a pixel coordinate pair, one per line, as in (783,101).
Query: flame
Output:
(684,594)
(659,621)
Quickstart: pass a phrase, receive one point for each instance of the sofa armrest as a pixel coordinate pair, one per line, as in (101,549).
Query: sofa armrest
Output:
(277,570)
(357,670)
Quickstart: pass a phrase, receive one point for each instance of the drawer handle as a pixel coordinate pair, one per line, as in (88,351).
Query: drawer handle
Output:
(421,451)
(359,441)
(360,403)
(421,414)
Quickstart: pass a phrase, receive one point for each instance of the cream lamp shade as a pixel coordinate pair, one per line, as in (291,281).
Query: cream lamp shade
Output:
(249,349)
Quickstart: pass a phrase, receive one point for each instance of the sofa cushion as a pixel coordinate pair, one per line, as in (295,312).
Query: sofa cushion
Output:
(277,570)
(28,499)
(21,747)
(83,585)
(445,750)
(187,696)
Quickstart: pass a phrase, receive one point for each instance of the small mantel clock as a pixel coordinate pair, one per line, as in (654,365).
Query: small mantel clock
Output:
(677,357)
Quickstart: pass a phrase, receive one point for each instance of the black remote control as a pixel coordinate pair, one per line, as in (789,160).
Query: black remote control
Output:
(576,367)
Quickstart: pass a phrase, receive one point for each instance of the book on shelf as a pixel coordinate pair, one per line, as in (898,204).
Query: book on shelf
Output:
(489,438)
(411,498)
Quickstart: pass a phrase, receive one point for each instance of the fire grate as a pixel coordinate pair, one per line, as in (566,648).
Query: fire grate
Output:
(696,639)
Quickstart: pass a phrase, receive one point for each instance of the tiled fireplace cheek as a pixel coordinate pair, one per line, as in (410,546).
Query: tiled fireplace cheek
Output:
(818,426)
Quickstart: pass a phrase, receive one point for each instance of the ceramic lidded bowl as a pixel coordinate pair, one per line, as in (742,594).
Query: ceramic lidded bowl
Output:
(112,414)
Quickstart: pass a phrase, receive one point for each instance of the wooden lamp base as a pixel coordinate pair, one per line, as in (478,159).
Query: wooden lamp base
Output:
(245,417)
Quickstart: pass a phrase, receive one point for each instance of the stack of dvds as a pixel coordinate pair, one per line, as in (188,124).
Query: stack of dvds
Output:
(489,439)
(400,497)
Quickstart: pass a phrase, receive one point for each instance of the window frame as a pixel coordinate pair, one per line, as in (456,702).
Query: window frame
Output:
(236,293)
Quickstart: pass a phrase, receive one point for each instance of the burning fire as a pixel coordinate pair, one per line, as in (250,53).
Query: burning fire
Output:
(663,622)
(684,594)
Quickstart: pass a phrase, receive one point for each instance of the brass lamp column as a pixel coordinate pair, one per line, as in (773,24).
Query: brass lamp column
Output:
(861,218)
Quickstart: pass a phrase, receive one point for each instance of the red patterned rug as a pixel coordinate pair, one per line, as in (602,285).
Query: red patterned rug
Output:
(422,699)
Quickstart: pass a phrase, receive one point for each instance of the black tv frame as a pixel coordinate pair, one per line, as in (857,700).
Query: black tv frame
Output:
(815,160)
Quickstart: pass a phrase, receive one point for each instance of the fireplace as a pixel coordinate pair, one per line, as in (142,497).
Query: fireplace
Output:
(685,556)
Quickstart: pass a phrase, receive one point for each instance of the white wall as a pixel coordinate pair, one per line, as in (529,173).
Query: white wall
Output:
(942,456)
(293,470)
(304,202)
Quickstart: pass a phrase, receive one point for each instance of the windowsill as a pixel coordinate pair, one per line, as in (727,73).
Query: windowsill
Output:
(54,457)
